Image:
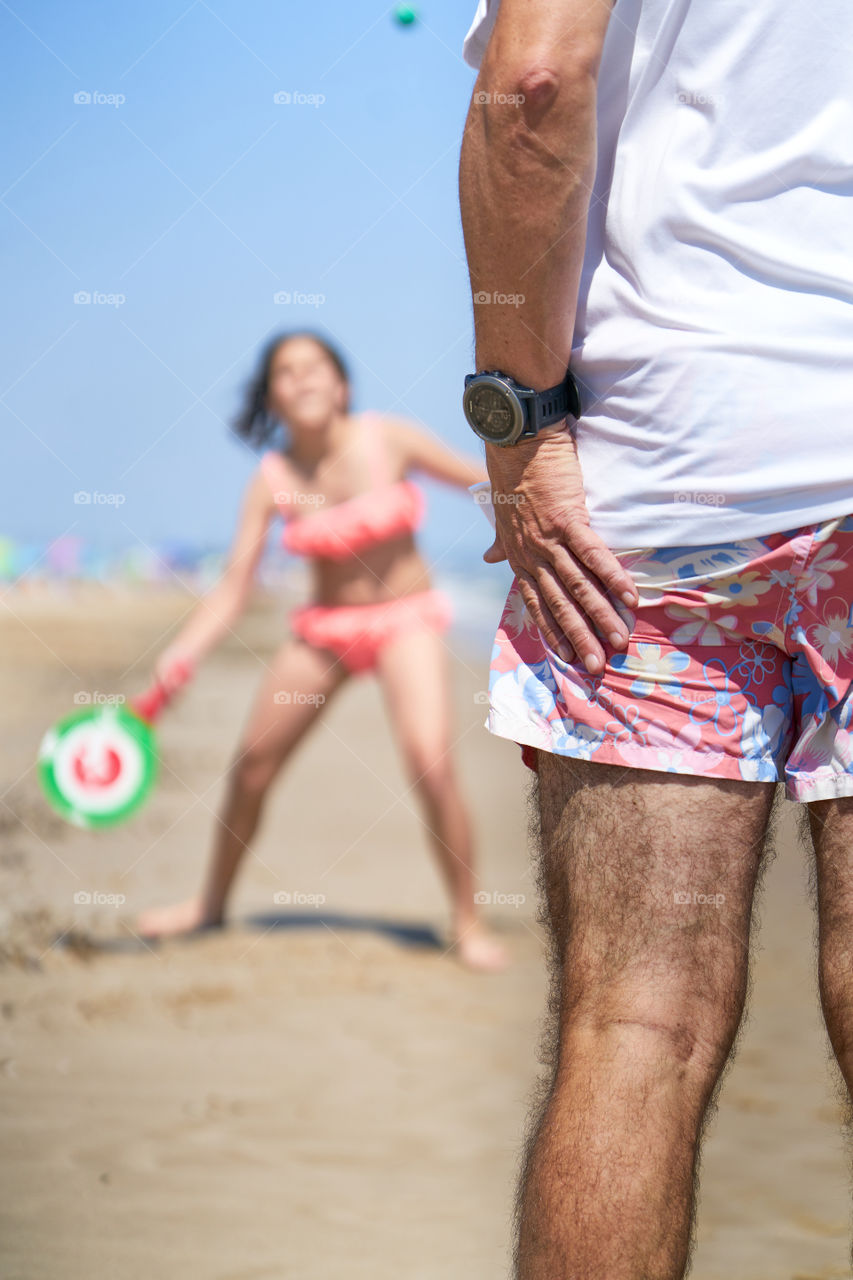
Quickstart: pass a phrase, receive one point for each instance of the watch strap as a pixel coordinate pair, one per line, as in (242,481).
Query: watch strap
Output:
(547,407)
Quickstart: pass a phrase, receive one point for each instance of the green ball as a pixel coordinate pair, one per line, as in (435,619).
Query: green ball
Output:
(405,15)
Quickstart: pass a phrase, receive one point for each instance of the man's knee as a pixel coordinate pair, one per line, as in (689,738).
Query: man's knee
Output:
(673,1030)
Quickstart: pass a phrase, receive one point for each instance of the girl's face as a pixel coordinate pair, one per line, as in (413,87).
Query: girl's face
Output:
(305,388)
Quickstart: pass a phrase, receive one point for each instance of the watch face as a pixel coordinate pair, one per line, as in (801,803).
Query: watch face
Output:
(492,410)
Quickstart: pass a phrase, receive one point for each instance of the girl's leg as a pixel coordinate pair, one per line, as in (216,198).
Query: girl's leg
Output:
(289,701)
(416,683)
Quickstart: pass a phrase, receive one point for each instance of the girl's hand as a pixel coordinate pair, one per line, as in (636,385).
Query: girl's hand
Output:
(565,572)
(174,668)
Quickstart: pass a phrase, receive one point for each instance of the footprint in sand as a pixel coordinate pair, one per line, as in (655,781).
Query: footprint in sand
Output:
(829,1113)
(748,1102)
(192,997)
(827,1273)
(819,1227)
(112,1004)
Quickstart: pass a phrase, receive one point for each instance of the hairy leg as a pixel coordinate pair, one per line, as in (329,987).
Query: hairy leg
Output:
(416,685)
(831,882)
(290,699)
(647,884)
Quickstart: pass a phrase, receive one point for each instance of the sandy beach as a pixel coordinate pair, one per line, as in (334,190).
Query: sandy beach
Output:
(321,1091)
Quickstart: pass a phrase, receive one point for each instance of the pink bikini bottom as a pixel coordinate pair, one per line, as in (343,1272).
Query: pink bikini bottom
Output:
(355,633)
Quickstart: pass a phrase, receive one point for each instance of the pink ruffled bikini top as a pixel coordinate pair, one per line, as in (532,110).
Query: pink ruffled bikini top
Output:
(380,513)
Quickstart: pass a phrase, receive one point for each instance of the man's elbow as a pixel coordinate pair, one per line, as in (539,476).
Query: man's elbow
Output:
(538,92)
(537,86)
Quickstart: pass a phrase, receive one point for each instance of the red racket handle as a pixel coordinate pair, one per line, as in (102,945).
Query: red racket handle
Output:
(149,704)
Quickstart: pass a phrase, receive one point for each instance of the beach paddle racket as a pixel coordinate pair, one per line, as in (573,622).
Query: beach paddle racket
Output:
(97,766)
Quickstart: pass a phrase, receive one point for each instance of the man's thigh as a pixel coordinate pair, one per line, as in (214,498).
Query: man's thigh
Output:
(648,881)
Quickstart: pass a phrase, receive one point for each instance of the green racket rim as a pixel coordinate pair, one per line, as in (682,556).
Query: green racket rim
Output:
(135,728)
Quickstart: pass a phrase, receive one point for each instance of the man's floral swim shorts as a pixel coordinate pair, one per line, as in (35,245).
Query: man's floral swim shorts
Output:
(739,665)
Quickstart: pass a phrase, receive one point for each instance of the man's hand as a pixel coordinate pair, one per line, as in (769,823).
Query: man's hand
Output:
(563,568)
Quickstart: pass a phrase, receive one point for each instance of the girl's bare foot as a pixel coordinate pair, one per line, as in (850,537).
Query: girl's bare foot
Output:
(477,948)
(180,918)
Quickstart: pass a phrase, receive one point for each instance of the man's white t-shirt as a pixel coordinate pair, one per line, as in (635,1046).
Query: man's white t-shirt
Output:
(713,341)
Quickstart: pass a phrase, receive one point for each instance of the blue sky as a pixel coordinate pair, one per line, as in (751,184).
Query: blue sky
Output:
(183,197)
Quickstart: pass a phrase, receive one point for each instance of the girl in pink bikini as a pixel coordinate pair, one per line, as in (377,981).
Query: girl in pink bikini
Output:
(341,488)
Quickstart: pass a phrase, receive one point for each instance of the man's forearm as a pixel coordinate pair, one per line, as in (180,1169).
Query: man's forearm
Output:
(526,173)
(527,170)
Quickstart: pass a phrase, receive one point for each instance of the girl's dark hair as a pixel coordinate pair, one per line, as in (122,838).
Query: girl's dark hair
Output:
(253,423)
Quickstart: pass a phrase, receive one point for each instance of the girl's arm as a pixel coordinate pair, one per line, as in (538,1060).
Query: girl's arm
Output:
(218,610)
(423,451)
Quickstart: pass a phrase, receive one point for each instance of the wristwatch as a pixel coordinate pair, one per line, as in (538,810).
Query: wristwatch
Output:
(502,411)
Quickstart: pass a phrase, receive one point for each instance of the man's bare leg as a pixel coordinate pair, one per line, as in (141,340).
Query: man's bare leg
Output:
(831,823)
(647,883)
